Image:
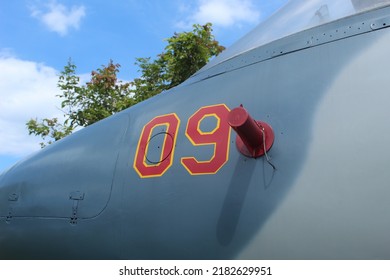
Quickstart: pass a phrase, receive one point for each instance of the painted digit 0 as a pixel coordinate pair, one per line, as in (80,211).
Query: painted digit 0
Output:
(219,137)
(142,166)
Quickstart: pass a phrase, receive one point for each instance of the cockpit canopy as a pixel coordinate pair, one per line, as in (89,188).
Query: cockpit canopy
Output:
(295,16)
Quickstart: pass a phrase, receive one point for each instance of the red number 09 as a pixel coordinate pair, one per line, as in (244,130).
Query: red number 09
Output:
(219,137)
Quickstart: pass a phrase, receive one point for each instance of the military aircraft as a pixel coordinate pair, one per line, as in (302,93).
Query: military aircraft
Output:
(276,149)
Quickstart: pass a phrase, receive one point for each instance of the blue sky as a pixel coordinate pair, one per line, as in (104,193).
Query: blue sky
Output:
(37,37)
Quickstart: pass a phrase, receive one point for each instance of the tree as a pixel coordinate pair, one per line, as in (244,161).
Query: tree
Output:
(185,54)
(48,128)
(105,95)
(84,105)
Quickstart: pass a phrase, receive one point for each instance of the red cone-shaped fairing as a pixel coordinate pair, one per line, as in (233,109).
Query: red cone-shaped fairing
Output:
(250,140)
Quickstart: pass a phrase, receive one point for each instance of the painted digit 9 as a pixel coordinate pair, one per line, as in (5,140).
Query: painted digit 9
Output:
(142,166)
(219,137)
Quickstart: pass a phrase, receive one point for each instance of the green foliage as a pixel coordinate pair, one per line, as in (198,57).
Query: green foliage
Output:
(105,95)
(84,105)
(152,81)
(186,53)
(48,128)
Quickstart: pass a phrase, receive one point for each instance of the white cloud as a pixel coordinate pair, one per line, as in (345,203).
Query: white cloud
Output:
(224,13)
(59,18)
(27,90)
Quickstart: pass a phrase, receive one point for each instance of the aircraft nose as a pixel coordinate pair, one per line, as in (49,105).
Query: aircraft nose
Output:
(58,187)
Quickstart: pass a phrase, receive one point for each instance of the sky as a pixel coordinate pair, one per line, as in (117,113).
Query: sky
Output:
(38,37)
